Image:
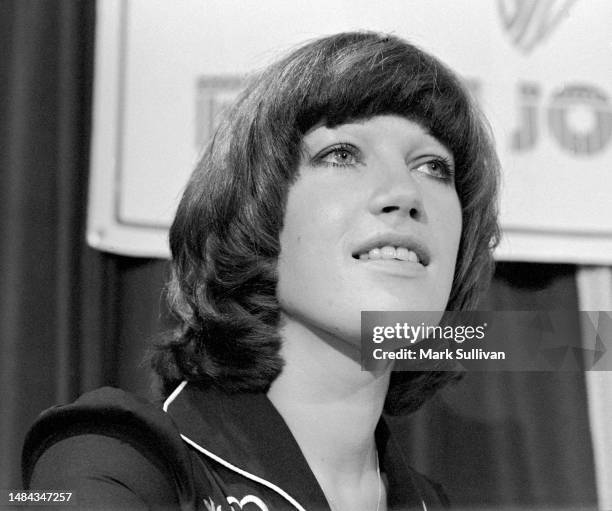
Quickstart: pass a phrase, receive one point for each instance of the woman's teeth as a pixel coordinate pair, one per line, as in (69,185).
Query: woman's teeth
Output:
(388,252)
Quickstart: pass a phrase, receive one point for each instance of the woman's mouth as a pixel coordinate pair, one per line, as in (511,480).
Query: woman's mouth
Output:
(393,246)
(388,252)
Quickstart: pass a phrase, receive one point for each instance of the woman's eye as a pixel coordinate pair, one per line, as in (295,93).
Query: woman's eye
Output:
(438,168)
(339,156)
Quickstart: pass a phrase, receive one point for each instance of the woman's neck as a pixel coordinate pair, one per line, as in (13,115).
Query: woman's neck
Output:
(331,406)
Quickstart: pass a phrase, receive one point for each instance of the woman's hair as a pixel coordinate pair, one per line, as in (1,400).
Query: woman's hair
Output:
(225,236)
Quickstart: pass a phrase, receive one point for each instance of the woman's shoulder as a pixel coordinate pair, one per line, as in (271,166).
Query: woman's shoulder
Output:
(107,412)
(114,438)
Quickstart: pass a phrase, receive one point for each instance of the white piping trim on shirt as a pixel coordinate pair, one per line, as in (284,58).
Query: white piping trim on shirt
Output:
(227,464)
(244,473)
(172,396)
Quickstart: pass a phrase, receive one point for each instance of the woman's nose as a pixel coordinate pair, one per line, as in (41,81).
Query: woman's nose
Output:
(397,195)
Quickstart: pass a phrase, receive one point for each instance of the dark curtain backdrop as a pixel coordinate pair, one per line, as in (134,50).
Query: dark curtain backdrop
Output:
(72,319)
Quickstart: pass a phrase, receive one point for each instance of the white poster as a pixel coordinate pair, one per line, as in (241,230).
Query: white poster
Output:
(542,71)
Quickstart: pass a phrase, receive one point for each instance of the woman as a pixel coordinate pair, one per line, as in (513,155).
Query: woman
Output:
(354,174)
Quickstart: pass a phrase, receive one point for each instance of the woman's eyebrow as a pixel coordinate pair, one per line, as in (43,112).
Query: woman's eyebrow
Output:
(440,144)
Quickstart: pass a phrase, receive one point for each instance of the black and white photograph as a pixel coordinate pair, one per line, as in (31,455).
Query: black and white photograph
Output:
(324,255)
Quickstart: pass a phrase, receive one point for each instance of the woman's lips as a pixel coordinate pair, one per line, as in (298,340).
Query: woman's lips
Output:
(395,267)
(392,246)
(388,253)
(398,261)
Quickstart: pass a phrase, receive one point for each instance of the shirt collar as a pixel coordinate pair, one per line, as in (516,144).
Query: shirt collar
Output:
(246,432)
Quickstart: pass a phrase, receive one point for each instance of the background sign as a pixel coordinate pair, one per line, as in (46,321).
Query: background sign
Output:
(541,70)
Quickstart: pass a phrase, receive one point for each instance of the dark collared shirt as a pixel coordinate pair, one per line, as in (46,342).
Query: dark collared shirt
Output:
(209,451)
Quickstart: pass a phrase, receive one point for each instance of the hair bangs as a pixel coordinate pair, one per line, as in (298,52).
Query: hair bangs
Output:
(386,77)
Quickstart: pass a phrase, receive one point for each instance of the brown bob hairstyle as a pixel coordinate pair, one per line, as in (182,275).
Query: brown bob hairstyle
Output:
(225,236)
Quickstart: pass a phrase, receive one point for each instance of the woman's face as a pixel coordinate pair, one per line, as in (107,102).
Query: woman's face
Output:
(372,222)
